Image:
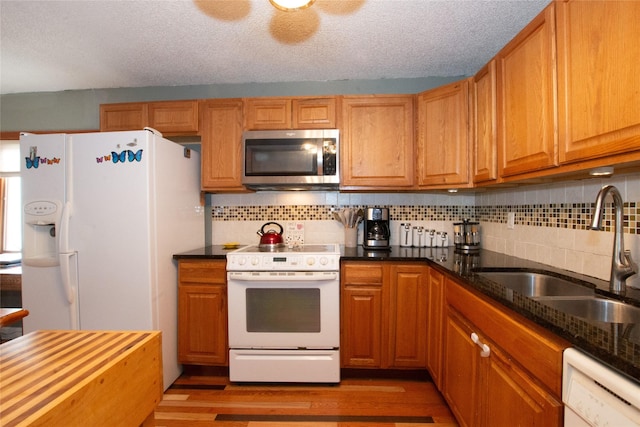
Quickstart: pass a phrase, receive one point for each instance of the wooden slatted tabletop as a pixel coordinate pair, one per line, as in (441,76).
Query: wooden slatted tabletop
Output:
(80,378)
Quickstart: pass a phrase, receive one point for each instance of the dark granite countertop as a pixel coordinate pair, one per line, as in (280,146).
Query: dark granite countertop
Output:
(618,345)
(207,252)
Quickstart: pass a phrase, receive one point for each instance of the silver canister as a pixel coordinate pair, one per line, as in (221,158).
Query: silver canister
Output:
(406,235)
(430,237)
(466,236)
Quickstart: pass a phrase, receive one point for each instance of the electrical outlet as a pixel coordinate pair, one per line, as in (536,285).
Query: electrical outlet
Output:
(511,220)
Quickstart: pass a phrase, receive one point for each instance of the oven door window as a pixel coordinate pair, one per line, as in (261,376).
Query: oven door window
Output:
(283,310)
(281,158)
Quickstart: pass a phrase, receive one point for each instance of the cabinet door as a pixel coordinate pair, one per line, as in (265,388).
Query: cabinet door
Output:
(598,78)
(361,314)
(443,136)
(221,144)
(461,376)
(202,312)
(435,341)
(527,140)
(126,116)
(408,316)
(513,399)
(485,142)
(317,113)
(267,113)
(174,117)
(361,320)
(202,325)
(377,142)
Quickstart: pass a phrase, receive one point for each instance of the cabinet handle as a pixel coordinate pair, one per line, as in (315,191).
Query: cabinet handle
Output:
(486,351)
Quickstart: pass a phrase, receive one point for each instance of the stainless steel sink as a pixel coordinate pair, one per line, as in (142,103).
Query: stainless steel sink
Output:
(597,309)
(536,284)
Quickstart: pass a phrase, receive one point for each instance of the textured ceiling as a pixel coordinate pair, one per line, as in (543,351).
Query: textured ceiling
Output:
(66,45)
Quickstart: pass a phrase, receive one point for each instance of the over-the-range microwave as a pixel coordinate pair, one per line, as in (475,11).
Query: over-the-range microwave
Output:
(291,159)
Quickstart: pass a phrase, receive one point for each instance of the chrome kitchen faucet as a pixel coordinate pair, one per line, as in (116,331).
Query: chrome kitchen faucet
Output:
(622,266)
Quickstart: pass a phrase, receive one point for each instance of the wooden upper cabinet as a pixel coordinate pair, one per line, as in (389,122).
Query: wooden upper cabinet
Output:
(168,117)
(290,113)
(527,113)
(598,78)
(314,113)
(124,116)
(483,124)
(377,142)
(177,117)
(443,136)
(267,113)
(221,122)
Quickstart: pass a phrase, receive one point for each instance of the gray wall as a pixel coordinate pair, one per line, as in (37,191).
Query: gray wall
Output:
(79,109)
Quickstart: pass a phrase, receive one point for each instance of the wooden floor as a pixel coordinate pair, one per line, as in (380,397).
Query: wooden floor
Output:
(198,401)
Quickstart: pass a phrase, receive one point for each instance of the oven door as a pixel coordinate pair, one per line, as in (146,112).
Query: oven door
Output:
(284,310)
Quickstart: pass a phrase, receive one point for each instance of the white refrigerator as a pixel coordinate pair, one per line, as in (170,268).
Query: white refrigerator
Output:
(103,214)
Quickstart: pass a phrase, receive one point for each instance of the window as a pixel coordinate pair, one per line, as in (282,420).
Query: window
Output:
(10,200)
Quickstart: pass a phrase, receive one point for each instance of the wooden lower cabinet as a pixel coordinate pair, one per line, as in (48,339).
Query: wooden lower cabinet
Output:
(435,323)
(408,315)
(461,371)
(202,312)
(486,381)
(383,315)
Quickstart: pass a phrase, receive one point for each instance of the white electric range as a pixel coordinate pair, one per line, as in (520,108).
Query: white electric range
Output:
(284,314)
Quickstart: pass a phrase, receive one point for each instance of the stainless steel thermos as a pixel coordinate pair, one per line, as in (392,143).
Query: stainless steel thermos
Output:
(466,236)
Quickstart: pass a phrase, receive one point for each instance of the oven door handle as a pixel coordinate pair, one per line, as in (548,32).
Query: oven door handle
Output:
(314,277)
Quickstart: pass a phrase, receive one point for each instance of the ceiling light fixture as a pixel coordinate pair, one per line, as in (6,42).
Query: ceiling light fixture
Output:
(291,5)
(602,171)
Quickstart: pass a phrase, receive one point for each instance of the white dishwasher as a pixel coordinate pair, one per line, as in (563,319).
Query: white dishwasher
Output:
(596,395)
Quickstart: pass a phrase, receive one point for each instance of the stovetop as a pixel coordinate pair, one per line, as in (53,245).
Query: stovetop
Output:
(306,249)
(310,257)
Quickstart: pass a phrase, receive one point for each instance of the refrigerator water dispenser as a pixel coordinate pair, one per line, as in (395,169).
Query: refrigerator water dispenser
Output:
(41,225)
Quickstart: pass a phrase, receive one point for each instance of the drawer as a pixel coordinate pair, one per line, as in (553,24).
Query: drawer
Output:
(362,273)
(202,271)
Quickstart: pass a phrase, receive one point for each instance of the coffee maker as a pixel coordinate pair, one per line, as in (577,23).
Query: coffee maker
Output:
(376,229)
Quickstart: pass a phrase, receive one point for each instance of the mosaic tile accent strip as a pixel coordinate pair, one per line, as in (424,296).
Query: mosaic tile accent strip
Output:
(576,216)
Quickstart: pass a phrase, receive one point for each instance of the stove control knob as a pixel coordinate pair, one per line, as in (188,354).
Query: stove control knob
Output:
(255,261)
(311,261)
(242,261)
(324,260)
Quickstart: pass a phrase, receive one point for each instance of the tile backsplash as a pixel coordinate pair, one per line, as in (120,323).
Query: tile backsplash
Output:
(551,220)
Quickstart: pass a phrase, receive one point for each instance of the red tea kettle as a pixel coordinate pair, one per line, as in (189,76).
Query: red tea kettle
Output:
(270,237)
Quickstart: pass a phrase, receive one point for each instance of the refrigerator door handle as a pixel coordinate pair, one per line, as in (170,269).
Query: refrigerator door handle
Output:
(63,232)
(69,271)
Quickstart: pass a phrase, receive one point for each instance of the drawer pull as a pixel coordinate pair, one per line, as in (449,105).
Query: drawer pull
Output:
(486,351)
